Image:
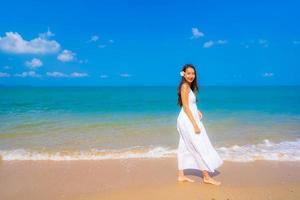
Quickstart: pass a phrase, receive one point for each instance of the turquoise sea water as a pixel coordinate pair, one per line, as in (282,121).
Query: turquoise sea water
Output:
(59,123)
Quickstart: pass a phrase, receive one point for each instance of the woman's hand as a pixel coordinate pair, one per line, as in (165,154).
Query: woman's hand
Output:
(200,114)
(197,129)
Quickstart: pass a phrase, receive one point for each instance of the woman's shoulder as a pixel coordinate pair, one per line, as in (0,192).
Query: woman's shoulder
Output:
(185,87)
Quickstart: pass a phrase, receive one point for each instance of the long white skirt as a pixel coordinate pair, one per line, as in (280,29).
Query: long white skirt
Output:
(195,151)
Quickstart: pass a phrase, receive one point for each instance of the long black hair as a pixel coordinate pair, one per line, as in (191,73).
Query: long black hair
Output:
(194,84)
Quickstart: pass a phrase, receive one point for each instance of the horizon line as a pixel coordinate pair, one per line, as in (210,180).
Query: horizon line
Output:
(1,85)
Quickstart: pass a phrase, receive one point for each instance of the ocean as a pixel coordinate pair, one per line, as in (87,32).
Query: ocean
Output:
(244,123)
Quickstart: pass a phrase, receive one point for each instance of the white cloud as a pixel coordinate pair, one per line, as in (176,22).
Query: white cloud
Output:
(56,74)
(125,75)
(14,43)
(208,44)
(78,75)
(34,63)
(263,42)
(268,74)
(103,76)
(221,41)
(94,38)
(83,61)
(66,56)
(196,33)
(255,42)
(61,75)
(4,75)
(46,34)
(102,46)
(7,67)
(28,74)
(106,44)
(296,42)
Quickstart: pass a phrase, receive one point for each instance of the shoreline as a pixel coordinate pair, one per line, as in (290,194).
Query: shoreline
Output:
(145,178)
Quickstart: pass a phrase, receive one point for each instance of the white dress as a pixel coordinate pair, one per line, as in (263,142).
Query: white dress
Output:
(195,151)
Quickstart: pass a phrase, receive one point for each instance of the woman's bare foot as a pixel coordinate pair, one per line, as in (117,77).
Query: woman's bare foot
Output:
(184,178)
(211,181)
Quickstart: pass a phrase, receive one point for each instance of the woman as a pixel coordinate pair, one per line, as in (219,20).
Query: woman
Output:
(194,150)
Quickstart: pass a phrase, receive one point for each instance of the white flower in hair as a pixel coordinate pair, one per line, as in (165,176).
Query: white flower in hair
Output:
(182,73)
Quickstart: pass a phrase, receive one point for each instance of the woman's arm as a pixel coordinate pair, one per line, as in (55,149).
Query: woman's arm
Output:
(200,114)
(185,99)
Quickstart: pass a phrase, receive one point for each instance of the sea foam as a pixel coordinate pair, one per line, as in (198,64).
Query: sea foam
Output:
(267,150)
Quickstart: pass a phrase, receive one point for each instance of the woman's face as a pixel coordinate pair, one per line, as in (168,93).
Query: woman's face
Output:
(189,74)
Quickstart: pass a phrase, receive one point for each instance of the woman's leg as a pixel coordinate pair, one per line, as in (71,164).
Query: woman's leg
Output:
(182,177)
(208,179)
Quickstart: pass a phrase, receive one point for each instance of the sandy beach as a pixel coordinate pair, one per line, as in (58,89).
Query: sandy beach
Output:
(145,179)
(106,100)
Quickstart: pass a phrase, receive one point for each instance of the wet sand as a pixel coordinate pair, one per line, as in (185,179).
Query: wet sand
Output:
(145,179)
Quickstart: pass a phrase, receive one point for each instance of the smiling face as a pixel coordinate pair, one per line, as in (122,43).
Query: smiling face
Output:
(189,75)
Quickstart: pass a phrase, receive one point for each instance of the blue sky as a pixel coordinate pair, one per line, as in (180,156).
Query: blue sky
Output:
(147,42)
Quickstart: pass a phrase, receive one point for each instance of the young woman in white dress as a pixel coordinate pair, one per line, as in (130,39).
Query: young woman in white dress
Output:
(195,150)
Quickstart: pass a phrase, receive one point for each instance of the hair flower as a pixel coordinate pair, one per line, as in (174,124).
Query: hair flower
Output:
(182,73)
